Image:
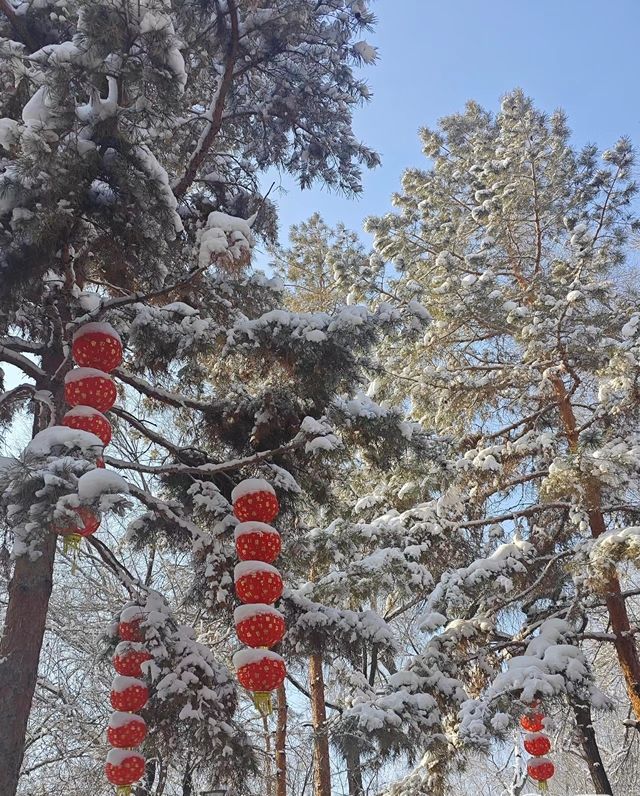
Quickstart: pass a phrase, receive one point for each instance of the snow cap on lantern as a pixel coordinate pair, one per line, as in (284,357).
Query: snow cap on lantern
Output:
(257,582)
(128,693)
(97,345)
(86,524)
(259,625)
(257,541)
(128,658)
(126,730)
(124,767)
(90,387)
(86,418)
(254,499)
(129,626)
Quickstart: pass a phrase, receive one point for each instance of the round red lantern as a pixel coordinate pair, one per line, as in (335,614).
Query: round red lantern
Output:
(257,582)
(90,387)
(88,524)
(126,730)
(257,541)
(259,625)
(260,671)
(128,694)
(97,345)
(123,767)
(129,627)
(86,418)
(255,499)
(541,769)
(537,744)
(532,722)
(128,658)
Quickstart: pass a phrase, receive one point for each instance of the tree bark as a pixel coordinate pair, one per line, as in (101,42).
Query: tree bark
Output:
(321,760)
(590,748)
(281,739)
(624,644)
(354,772)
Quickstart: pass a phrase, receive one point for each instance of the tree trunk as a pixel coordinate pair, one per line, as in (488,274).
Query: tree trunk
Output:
(354,772)
(590,748)
(624,641)
(268,771)
(281,739)
(321,760)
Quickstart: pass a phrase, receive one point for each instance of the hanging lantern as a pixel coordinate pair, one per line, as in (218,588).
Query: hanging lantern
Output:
(89,523)
(259,625)
(541,769)
(97,345)
(90,387)
(257,582)
(532,722)
(129,627)
(123,768)
(126,730)
(537,744)
(128,694)
(254,499)
(257,541)
(260,671)
(86,418)
(128,658)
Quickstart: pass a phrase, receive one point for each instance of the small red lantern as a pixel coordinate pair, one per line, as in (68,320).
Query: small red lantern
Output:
(541,769)
(128,658)
(532,722)
(257,541)
(90,387)
(123,768)
(257,582)
(259,625)
(97,345)
(128,694)
(537,744)
(129,627)
(89,523)
(126,730)
(260,671)
(86,418)
(254,499)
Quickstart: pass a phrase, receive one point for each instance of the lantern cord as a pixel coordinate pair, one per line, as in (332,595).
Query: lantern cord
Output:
(262,700)
(70,546)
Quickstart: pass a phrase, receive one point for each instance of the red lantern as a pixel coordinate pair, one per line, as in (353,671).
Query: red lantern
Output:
(86,418)
(123,767)
(257,541)
(129,628)
(532,722)
(128,694)
(537,744)
(90,387)
(254,499)
(257,582)
(89,524)
(128,658)
(259,625)
(97,345)
(541,769)
(259,670)
(126,730)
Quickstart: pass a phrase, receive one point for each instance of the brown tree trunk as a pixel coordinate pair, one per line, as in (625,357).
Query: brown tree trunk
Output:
(624,644)
(321,760)
(281,739)
(590,748)
(354,772)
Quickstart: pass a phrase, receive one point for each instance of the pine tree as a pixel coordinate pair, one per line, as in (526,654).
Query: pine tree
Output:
(132,136)
(514,243)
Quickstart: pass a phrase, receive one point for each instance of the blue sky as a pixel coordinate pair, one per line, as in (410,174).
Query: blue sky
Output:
(581,55)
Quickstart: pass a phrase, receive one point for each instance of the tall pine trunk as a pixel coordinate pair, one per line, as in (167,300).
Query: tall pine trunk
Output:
(354,771)
(321,760)
(281,740)
(599,777)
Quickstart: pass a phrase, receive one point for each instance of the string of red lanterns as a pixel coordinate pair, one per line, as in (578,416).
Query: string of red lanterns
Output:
(258,585)
(537,744)
(129,694)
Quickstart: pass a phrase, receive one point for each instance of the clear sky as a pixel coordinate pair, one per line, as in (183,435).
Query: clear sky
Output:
(581,55)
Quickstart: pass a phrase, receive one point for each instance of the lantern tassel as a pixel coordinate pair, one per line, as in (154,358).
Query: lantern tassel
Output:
(70,547)
(542,786)
(262,700)
(123,790)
